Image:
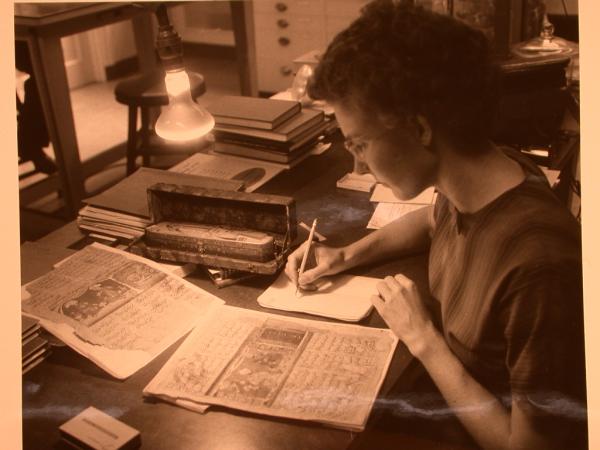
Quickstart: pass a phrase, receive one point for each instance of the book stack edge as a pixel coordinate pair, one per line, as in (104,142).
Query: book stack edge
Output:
(273,130)
(34,347)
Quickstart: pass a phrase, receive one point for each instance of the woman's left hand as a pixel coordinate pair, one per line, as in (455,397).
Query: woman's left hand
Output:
(399,304)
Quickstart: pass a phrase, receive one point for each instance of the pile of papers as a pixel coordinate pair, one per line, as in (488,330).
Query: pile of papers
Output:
(100,220)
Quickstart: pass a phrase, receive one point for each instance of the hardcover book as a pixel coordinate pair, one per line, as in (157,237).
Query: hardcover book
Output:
(253,112)
(262,153)
(321,128)
(304,120)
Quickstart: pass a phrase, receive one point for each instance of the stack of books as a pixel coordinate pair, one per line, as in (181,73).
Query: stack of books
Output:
(35,348)
(267,129)
(101,222)
(122,212)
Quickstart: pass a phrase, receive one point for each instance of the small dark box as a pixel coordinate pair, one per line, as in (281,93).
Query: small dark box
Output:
(219,228)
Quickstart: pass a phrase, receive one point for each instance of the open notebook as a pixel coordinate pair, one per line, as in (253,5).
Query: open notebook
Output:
(342,297)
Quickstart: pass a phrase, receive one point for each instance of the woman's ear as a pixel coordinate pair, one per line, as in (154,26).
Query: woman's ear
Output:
(425,131)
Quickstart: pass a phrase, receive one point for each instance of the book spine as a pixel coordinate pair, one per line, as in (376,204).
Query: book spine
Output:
(254,134)
(274,147)
(310,135)
(270,154)
(254,154)
(224,120)
(292,112)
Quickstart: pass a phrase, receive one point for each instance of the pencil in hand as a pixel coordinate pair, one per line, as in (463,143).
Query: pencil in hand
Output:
(306,252)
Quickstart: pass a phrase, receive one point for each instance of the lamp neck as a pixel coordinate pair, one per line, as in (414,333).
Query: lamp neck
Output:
(168,42)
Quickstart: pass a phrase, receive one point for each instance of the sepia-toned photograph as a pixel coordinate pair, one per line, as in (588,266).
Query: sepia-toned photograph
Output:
(301,224)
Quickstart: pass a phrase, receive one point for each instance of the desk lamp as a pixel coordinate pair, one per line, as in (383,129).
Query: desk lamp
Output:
(183,119)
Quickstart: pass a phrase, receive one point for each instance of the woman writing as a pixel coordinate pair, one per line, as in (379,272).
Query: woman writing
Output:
(413,92)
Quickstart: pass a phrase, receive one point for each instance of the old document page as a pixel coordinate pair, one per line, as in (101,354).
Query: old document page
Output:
(342,297)
(252,173)
(279,366)
(117,309)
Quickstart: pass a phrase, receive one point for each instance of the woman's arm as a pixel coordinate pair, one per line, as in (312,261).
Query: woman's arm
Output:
(491,424)
(408,234)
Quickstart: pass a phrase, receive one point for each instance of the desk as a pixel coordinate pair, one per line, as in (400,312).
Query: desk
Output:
(42,26)
(66,383)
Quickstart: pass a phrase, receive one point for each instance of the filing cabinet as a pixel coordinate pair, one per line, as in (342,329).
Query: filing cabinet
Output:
(286,29)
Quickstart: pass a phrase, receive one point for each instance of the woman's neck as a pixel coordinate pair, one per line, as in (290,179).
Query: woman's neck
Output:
(472,182)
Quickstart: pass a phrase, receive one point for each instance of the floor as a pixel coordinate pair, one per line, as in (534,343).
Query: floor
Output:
(101,124)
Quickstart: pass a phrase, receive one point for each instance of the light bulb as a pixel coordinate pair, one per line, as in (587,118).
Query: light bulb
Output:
(183,119)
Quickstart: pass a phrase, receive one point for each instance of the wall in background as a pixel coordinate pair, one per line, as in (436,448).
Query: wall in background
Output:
(88,54)
(556,7)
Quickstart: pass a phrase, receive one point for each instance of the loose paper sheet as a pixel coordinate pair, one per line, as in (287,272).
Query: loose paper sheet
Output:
(343,297)
(117,309)
(388,212)
(283,367)
(384,194)
(253,173)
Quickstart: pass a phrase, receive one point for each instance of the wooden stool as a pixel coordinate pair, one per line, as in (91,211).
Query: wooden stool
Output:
(145,92)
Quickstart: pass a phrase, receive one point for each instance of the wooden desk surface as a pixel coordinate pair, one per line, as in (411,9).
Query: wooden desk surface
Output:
(66,383)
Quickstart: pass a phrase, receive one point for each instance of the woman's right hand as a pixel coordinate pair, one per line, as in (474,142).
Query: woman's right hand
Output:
(329,260)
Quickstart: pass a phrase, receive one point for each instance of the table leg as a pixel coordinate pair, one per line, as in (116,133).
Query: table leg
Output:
(51,79)
(143,32)
(144,41)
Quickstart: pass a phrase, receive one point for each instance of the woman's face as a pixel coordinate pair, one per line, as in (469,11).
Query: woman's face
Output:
(395,155)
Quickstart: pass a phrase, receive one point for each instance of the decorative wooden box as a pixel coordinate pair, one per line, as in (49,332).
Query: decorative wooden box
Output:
(219,228)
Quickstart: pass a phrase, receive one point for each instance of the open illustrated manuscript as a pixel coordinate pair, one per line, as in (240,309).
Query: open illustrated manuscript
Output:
(278,366)
(117,309)
(121,311)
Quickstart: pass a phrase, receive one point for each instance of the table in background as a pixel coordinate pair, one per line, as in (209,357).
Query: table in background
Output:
(66,383)
(42,26)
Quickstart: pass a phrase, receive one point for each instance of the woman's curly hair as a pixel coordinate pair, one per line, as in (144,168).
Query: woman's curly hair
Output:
(403,60)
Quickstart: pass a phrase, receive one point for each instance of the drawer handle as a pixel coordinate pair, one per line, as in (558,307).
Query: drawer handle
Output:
(282,23)
(283,41)
(286,70)
(280,6)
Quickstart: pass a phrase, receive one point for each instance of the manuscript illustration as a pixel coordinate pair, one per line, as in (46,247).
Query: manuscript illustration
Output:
(117,309)
(283,367)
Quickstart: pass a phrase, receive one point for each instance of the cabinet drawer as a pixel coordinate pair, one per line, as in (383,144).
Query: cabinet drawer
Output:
(290,44)
(274,73)
(288,25)
(289,7)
